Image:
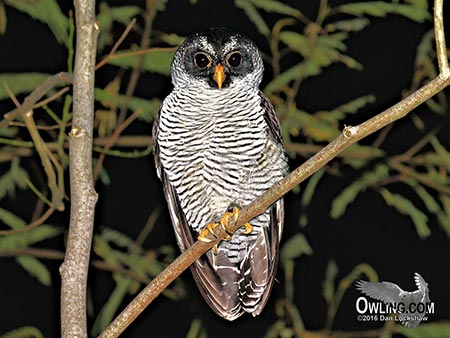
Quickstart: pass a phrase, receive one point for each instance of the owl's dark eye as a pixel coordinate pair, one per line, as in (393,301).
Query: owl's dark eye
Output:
(202,60)
(234,59)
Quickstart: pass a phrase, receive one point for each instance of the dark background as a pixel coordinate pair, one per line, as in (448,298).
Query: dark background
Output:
(369,231)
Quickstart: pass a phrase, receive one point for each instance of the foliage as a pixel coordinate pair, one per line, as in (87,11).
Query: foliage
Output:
(414,183)
(24,332)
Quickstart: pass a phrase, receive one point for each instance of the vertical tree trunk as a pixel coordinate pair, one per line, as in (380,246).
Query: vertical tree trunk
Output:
(82,193)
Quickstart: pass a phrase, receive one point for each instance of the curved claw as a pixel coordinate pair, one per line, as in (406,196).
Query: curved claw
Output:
(204,234)
(209,229)
(248,229)
(226,219)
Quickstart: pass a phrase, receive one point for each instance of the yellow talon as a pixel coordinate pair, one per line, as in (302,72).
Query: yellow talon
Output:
(203,235)
(209,229)
(248,228)
(224,224)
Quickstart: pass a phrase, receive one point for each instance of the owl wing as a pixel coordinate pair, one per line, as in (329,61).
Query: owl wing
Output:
(261,264)
(259,268)
(271,119)
(208,281)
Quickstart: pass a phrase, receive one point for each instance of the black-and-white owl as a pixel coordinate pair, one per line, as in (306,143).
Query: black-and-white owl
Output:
(218,145)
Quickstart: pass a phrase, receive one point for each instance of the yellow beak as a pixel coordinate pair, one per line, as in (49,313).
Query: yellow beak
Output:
(219,75)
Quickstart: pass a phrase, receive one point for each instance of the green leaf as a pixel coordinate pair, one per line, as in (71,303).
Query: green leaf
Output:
(20,83)
(345,198)
(364,152)
(23,332)
(352,106)
(155,61)
(308,194)
(428,330)
(425,48)
(148,108)
(48,12)
(348,195)
(253,15)
(295,247)
(124,14)
(120,239)
(107,15)
(151,266)
(172,39)
(444,217)
(196,330)
(429,201)
(11,220)
(296,41)
(36,269)
(352,25)
(110,307)
(406,207)
(421,4)
(301,70)
(443,153)
(25,239)
(350,62)
(15,177)
(323,44)
(3,19)
(103,174)
(328,288)
(318,53)
(333,41)
(361,269)
(272,6)
(381,9)
(311,187)
(9,132)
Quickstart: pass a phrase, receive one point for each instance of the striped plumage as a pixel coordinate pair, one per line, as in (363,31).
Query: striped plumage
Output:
(216,148)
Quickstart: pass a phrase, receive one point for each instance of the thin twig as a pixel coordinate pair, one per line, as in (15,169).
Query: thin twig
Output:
(149,225)
(422,178)
(150,12)
(439,35)
(275,41)
(30,226)
(117,44)
(51,98)
(112,139)
(349,136)
(83,196)
(59,255)
(21,124)
(413,150)
(11,94)
(142,52)
(35,96)
(43,152)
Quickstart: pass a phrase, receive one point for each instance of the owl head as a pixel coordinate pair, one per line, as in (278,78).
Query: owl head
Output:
(217,58)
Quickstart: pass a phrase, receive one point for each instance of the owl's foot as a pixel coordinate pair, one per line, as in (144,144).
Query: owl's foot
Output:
(203,236)
(234,215)
(224,223)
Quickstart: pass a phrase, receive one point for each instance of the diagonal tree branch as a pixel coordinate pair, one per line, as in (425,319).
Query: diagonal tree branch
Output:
(349,136)
(83,196)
